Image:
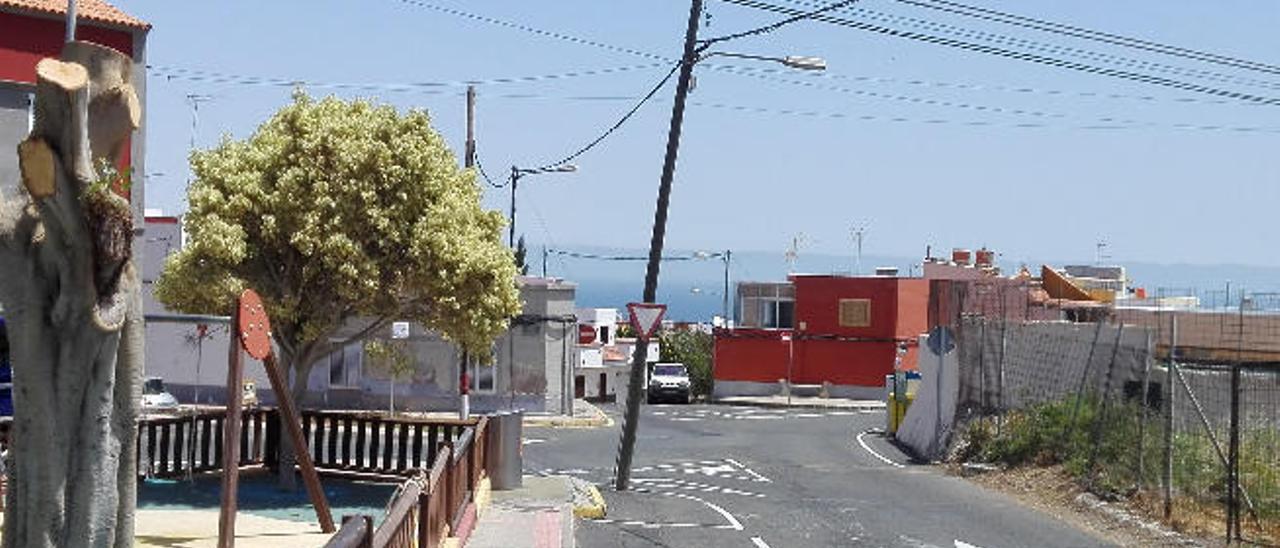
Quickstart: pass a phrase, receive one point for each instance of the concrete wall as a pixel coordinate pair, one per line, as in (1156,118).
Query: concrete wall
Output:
(14,126)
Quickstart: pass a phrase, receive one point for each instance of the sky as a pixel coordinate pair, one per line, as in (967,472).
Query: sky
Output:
(922,144)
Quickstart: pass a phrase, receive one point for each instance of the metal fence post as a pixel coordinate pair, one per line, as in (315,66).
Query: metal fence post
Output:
(1143,414)
(1168,419)
(1233,469)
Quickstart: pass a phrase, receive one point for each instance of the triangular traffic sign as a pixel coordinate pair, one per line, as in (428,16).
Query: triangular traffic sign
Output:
(645,318)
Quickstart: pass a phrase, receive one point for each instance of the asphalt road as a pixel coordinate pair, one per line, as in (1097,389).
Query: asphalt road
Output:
(731,476)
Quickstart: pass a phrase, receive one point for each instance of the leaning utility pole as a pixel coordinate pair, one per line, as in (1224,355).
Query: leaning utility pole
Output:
(640,358)
(470,154)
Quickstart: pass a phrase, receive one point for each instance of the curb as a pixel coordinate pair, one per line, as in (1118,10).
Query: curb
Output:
(568,422)
(588,503)
(876,406)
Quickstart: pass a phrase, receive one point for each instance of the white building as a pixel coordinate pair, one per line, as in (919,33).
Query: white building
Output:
(603,359)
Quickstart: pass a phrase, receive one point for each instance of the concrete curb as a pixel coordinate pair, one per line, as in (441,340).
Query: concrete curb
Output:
(592,418)
(588,503)
(868,406)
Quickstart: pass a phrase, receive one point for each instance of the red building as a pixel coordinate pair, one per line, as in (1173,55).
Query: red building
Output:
(815,329)
(31,30)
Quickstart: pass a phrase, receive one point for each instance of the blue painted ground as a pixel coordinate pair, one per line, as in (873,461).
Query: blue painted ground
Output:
(258,494)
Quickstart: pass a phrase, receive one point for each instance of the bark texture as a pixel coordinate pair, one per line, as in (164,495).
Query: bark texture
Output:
(71,301)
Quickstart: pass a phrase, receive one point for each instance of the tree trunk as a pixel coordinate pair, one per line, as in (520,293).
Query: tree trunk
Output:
(300,366)
(74,313)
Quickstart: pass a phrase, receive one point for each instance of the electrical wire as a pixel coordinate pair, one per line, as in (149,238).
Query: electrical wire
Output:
(534,30)
(1053,49)
(734,68)
(1012,54)
(196,75)
(997,16)
(703,44)
(583,150)
(480,168)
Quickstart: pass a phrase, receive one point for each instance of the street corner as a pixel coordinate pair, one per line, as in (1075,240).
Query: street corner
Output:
(588,503)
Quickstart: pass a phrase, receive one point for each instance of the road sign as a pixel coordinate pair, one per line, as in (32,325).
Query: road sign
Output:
(399,330)
(645,318)
(586,334)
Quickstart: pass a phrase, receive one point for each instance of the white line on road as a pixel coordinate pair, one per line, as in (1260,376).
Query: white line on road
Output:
(733,522)
(759,542)
(873,452)
(963,544)
(748,471)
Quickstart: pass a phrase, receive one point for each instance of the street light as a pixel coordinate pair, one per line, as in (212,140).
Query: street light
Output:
(800,62)
(694,51)
(516,174)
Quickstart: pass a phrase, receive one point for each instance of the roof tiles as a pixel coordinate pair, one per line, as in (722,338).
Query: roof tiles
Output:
(92,10)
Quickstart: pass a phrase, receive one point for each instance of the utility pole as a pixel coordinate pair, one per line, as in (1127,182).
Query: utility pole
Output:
(469,161)
(640,357)
(470,154)
(728,256)
(511,228)
(544,261)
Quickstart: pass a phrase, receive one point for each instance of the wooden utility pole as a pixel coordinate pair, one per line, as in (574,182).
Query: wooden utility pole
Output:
(640,357)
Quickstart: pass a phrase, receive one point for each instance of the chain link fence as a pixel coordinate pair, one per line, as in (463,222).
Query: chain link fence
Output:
(1174,404)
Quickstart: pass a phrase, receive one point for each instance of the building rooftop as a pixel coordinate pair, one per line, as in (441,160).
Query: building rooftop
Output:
(98,11)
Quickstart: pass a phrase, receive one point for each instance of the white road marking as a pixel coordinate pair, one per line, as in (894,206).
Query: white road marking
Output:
(686,419)
(759,542)
(753,473)
(733,522)
(873,452)
(531,441)
(963,544)
(807,415)
(841,414)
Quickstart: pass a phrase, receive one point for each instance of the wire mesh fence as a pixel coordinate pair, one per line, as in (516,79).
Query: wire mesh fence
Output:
(1171,403)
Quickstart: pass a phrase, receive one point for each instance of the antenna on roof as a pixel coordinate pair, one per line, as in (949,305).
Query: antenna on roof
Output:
(1101,252)
(857,232)
(793,252)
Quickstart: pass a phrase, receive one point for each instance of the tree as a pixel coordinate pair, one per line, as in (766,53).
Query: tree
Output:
(693,348)
(522,254)
(73,312)
(393,359)
(342,213)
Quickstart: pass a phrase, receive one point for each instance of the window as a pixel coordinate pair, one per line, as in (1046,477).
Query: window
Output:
(344,365)
(604,334)
(855,312)
(777,313)
(482,377)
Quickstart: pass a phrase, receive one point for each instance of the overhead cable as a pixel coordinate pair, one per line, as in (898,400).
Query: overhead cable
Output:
(1017,55)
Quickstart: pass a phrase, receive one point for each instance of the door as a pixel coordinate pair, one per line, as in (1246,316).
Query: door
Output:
(579,386)
(604,384)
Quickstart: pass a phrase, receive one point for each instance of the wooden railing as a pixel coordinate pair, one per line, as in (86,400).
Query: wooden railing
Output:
(175,446)
(433,504)
(366,442)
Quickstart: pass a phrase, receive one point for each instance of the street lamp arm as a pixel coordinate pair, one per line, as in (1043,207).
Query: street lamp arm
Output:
(802,62)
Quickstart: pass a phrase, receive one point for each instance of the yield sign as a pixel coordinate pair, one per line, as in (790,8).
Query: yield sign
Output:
(645,318)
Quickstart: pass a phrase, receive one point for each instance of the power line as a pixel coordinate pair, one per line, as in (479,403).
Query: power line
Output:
(703,44)
(1054,49)
(197,75)
(1012,54)
(535,30)
(619,123)
(997,16)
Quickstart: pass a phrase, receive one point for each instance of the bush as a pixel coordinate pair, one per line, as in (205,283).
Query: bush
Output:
(693,349)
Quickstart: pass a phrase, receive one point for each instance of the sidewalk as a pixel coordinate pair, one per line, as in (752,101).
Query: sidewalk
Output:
(199,529)
(801,402)
(540,514)
(585,415)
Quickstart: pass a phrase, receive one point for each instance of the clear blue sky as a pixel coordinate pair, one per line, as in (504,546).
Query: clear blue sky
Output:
(750,180)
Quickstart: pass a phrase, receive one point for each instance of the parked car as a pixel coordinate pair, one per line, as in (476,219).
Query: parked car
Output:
(249,394)
(155,397)
(669,381)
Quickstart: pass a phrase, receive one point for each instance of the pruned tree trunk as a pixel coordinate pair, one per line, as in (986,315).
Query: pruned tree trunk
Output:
(71,301)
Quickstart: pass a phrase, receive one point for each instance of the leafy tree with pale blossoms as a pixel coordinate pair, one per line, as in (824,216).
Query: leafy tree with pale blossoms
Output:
(343,213)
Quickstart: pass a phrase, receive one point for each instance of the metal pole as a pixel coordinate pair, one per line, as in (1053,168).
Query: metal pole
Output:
(791,360)
(544,261)
(470,154)
(1168,419)
(71,20)
(1146,406)
(727,256)
(640,356)
(511,226)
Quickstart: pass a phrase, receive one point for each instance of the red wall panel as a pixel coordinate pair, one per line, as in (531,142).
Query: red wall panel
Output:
(843,362)
(818,304)
(28,39)
(756,355)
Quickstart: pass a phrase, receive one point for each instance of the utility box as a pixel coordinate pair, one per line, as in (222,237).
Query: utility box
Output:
(506,454)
